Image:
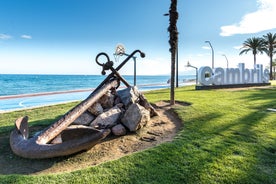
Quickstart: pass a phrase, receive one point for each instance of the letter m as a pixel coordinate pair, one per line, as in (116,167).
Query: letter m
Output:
(233,76)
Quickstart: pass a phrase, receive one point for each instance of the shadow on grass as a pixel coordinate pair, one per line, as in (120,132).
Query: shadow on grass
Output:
(233,152)
(13,164)
(266,163)
(242,148)
(175,162)
(265,96)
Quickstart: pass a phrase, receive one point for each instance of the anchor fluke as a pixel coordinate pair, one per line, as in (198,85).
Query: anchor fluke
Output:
(21,125)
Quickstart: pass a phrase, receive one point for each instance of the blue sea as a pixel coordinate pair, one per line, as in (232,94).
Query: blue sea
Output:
(12,87)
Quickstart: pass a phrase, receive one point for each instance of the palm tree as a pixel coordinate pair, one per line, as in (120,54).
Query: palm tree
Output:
(270,49)
(256,45)
(173,41)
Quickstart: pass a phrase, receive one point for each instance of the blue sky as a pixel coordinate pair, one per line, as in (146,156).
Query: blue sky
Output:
(64,36)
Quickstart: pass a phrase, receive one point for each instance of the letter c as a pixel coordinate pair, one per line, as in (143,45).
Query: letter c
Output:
(202,75)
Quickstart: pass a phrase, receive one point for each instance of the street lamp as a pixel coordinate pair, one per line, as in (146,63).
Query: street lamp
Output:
(134,64)
(226,59)
(189,65)
(120,51)
(212,53)
(177,66)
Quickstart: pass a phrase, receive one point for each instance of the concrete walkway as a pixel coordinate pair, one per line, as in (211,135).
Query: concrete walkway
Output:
(18,102)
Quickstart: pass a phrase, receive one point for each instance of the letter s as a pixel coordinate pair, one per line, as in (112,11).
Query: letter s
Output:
(266,76)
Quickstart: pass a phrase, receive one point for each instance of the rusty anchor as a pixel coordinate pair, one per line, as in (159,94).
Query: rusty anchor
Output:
(75,139)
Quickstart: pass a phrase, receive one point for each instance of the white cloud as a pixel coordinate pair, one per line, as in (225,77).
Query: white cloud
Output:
(254,22)
(5,37)
(199,55)
(206,47)
(26,36)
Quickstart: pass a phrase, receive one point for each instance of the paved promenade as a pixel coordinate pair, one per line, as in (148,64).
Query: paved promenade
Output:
(17,102)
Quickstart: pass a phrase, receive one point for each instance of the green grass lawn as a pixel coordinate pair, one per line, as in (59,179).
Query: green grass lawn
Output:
(228,136)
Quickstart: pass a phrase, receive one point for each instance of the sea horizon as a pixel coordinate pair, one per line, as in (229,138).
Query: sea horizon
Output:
(20,91)
(21,84)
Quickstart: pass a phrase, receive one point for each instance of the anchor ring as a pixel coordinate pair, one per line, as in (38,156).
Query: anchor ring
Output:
(100,54)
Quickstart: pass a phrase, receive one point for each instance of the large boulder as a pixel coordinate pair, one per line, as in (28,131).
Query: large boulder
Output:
(119,130)
(96,109)
(129,95)
(144,102)
(107,119)
(135,117)
(107,100)
(84,119)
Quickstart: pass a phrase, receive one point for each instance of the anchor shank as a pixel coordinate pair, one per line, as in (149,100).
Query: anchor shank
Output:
(120,77)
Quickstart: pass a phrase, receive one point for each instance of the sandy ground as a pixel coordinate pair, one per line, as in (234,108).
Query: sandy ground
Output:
(160,129)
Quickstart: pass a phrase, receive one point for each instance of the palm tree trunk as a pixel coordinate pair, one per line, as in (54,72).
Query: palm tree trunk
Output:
(173,43)
(270,69)
(254,60)
(274,72)
(172,94)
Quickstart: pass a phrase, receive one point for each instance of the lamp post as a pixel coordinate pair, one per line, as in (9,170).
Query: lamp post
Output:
(134,65)
(120,51)
(226,59)
(189,65)
(177,66)
(212,53)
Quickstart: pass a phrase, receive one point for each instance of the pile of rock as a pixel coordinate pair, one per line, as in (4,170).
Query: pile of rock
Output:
(121,111)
